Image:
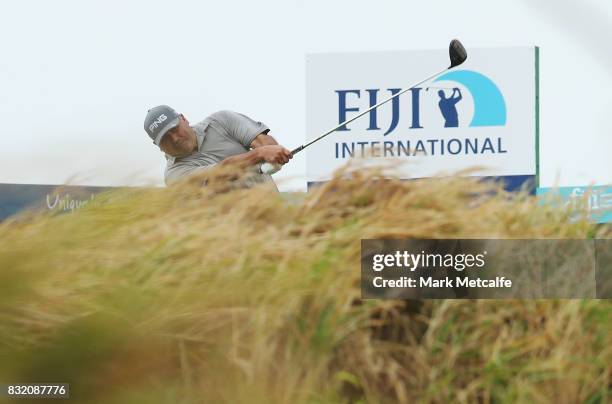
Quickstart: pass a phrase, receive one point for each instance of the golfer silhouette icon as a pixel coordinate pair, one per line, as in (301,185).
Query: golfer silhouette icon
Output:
(448,107)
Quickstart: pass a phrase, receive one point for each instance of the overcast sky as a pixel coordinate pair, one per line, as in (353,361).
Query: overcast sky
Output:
(78,76)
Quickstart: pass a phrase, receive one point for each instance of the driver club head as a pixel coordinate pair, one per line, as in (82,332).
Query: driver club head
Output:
(457,53)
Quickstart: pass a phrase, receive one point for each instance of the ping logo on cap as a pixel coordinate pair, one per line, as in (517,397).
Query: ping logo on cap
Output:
(157,121)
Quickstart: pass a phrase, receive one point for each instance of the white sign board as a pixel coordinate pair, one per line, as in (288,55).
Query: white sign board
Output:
(482,113)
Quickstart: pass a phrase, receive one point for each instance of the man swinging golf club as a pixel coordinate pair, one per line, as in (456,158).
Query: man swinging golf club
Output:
(223,138)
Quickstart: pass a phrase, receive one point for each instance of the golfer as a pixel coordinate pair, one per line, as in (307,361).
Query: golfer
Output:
(448,107)
(223,138)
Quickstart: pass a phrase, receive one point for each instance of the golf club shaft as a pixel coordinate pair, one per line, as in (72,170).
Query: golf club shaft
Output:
(299,149)
(268,168)
(457,55)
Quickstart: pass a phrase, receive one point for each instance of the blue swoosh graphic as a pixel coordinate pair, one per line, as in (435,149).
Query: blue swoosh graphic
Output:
(489,103)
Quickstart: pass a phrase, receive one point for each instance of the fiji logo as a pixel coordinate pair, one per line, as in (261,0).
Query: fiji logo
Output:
(489,103)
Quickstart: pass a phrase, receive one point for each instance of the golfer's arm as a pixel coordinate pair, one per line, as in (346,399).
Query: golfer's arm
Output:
(253,156)
(263,139)
(244,159)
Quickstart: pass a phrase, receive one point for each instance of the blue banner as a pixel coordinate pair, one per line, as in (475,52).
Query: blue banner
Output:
(59,198)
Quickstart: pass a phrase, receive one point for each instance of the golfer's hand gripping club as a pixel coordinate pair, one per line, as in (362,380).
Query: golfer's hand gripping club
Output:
(273,162)
(269,168)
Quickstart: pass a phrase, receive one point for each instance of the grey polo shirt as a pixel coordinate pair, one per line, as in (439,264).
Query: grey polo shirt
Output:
(221,135)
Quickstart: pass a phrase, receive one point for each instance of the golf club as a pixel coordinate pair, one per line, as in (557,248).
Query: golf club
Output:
(457,55)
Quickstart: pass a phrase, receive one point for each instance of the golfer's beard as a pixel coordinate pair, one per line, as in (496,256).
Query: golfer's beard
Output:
(182,154)
(184,148)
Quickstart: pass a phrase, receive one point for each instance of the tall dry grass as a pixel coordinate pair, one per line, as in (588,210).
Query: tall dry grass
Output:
(192,294)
